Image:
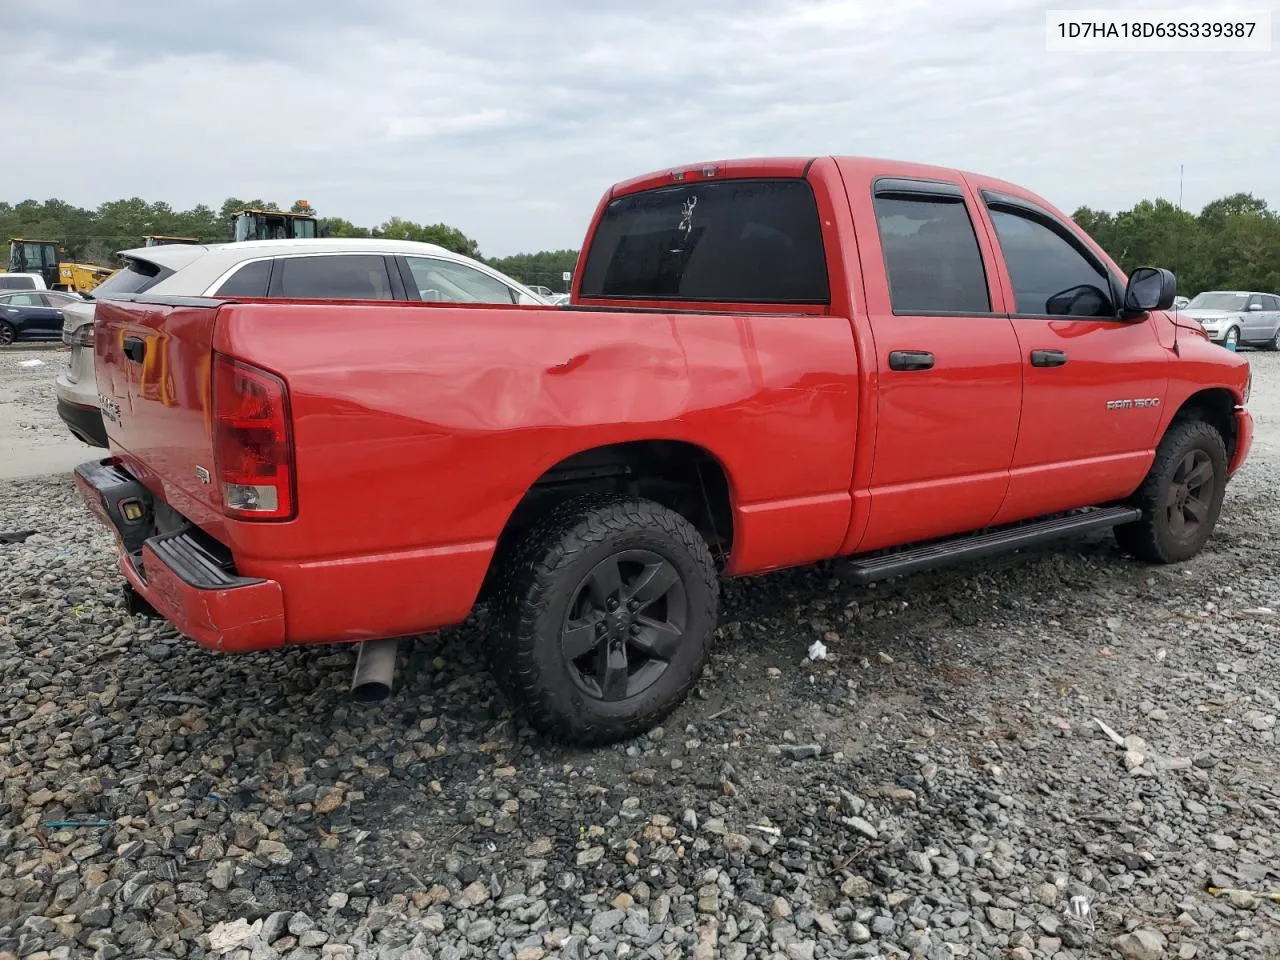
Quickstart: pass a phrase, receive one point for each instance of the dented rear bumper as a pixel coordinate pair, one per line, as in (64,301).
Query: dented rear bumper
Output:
(176,572)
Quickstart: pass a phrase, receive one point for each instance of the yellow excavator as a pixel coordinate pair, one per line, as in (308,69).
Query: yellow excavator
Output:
(45,258)
(251,224)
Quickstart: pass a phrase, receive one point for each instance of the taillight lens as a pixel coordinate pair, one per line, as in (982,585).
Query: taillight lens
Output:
(81,336)
(253,448)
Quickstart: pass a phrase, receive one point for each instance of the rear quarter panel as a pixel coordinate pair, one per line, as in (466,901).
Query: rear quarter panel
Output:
(420,427)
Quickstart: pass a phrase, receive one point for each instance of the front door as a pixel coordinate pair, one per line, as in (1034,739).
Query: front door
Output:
(947,362)
(1093,384)
(1255,325)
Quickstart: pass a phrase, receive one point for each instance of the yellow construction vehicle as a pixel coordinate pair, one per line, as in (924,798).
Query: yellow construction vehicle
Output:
(160,241)
(276,224)
(45,258)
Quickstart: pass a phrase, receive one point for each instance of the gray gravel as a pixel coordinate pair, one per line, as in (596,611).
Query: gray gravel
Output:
(938,787)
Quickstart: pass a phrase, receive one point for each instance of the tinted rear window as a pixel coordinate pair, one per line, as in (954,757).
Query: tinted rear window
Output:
(249,281)
(135,277)
(736,241)
(16,283)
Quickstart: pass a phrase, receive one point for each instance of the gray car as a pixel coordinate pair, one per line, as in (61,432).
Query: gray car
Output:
(1235,317)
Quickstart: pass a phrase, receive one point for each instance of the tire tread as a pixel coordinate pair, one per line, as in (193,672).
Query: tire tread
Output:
(529,579)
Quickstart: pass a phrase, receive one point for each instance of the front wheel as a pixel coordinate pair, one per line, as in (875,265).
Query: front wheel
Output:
(1181,497)
(1232,340)
(7,333)
(608,606)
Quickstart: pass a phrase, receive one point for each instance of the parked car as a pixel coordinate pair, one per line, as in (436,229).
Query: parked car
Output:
(1234,318)
(21,281)
(307,269)
(544,292)
(1180,303)
(770,362)
(558,299)
(32,314)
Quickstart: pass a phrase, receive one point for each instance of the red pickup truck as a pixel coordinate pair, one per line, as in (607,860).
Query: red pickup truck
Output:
(763,363)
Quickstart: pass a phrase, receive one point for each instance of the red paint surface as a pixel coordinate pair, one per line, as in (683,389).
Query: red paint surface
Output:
(420,426)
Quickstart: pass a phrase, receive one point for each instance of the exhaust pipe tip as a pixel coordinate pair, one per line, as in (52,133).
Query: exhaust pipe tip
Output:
(375,671)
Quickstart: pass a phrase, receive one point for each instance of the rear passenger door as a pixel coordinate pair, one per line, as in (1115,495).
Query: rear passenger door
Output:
(950,380)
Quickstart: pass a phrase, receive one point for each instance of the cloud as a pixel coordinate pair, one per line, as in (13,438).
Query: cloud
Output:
(509,119)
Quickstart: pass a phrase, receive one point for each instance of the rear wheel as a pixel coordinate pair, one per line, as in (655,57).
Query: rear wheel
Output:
(609,606)
(1274,343)
(7,333)
(1181,497)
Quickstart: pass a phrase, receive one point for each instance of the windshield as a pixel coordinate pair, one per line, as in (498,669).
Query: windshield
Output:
(1218,301)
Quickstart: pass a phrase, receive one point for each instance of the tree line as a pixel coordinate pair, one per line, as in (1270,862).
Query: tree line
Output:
(1232,243)
(94,236)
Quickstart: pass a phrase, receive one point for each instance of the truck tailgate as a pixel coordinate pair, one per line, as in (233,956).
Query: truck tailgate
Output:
(153,363)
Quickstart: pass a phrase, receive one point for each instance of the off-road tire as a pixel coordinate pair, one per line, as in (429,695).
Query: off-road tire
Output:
(1150,538)
(534,591)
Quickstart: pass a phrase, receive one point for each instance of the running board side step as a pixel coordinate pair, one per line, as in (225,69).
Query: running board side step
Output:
(941,553)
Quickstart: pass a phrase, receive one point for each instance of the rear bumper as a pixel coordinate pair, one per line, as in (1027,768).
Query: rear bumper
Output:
(85,423)
(176,574)
(1244,440)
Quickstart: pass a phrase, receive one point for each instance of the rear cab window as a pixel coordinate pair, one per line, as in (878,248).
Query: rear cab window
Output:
(728,241)
(16,283)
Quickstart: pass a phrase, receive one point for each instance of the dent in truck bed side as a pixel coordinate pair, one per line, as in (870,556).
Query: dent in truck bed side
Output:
(417,439)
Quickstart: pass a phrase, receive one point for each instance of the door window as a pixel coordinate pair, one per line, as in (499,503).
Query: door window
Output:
(1255,302)
(1270,303)
(931,254)
(1050,275)
(444,281)
(340,277)
(24,300)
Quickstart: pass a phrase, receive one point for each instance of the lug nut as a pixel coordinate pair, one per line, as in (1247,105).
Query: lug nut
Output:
(613,603)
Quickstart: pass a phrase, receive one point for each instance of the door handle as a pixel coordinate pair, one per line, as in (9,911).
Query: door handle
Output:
(135,348)
(1048,358)
(910,360)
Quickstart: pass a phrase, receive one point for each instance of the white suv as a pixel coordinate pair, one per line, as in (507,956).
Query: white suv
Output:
(326,269)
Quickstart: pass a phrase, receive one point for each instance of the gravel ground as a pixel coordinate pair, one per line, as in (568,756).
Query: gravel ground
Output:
(938,787)
(34,440)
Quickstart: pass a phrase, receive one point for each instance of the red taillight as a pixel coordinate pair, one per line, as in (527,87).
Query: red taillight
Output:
(253,449)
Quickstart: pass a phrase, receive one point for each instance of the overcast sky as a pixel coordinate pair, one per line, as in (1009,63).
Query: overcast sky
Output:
(509,118)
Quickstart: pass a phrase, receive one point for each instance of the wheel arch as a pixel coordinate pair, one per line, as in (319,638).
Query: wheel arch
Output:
(1215,406)
(685,477)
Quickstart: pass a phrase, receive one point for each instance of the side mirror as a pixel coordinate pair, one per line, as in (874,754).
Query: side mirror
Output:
(1149,288)
(1255,306)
